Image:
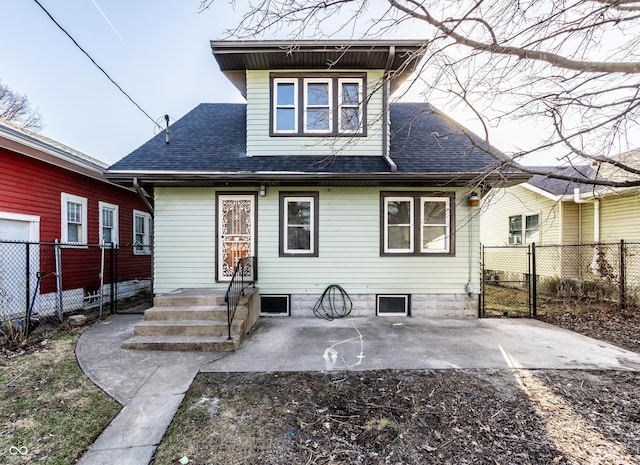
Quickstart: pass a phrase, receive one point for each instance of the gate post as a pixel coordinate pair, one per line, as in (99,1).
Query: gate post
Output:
(481,296)
(533,295)
(27,297)
(112,308)
(623,276)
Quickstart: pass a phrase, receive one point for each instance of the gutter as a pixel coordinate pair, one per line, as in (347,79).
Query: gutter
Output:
(143,196)
(385,112)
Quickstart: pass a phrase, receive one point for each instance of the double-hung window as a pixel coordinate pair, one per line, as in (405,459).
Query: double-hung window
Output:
(318,104)
(74,219)
(141,232)
(530,232)
(349,105)
(299,224)
(108,223)
(416,224)
(285,115)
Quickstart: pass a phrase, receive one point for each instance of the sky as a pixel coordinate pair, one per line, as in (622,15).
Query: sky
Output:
(156,50)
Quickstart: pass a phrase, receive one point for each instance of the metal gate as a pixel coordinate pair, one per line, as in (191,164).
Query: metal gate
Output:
(508,284)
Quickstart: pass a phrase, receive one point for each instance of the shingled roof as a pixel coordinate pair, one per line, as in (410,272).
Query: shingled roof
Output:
(209,143)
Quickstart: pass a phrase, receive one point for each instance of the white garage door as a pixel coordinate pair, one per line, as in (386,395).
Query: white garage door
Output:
(13,265)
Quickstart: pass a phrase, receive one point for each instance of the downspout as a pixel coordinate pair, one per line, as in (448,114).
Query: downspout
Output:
(596,213)
(385,111)
(594,267)
(143,196)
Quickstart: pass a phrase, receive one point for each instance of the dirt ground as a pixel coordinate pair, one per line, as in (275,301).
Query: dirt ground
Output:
(495,417)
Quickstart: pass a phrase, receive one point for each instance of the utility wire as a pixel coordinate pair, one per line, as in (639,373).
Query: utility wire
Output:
(96,64)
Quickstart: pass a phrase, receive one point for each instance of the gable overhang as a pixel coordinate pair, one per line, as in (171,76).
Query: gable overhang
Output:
(545,193)
(36,147)
(398,58)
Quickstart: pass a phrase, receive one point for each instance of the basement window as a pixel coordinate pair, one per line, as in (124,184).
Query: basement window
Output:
(275,305)
(392,304)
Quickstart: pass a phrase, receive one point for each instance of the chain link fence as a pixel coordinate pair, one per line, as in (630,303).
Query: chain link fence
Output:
(543,279)
(43,283)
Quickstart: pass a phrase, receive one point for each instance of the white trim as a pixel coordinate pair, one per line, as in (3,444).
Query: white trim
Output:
(295,106)
(542,192)
(221,238)
(142,248)
(115,233)
(329,106)
(446,225)
(359,106)
(411,224)
(33,220)
(64,224)
(406,305)
(311,225)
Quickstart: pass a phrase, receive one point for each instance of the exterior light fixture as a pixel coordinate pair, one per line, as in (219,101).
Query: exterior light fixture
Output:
(474,199)
(263,190)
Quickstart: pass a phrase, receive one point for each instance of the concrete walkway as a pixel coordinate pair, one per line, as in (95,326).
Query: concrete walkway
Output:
(152,384)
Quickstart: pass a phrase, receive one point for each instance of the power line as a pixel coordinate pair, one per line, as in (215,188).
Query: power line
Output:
(96,64)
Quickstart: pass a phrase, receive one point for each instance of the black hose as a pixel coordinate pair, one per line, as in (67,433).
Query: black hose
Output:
(333,303)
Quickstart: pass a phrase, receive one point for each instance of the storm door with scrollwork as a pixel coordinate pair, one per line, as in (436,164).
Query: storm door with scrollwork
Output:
(236,223)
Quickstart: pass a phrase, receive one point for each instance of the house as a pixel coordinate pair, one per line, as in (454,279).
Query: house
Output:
(570,221)
(547,210)
(323,179)
(51,193)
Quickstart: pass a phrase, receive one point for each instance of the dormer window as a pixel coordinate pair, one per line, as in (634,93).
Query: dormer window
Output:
(318,104)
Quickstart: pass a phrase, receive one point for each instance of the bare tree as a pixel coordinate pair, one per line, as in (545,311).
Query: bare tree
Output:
(568,68)
(15,108)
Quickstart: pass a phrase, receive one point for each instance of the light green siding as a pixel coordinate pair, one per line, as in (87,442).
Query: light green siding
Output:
(184,238)
(349,251)
(348,242)
(259,142)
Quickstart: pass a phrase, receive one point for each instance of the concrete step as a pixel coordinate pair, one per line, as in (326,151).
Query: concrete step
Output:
(193,298)
(192,313)
(187,328)
(183,343)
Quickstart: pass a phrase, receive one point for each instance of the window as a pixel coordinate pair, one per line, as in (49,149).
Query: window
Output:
(274,305)
(409,219)
(74,219)
(435,224)
(318,103)
(299,224)
(285,114)
(108,223)
(392,304)
(531,230)
(141,233)
(349,108)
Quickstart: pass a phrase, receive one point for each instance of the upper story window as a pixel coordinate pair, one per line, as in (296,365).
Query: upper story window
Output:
(74,219)
(318,104)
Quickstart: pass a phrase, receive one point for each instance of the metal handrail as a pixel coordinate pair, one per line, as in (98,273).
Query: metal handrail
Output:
(245,268)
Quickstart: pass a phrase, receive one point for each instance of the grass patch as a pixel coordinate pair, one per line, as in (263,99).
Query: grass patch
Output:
(49,411)
(505,301)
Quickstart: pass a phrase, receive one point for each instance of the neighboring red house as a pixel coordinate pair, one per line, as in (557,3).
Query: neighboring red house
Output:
(48,193)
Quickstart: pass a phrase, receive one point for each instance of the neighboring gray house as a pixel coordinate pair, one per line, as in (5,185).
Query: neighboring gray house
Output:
(321,178)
